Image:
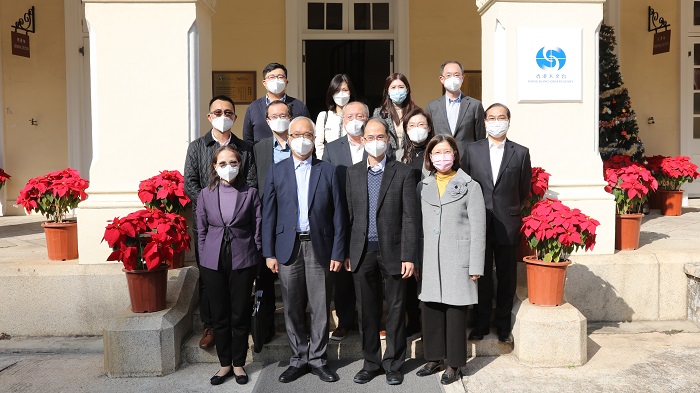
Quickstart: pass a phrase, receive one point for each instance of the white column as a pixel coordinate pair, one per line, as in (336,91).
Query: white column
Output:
(562,136)
(142,101)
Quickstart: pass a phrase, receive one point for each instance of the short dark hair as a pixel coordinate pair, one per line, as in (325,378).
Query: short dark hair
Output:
(214,177)
(333,88)
(222,98)
(378,120)
(277,102)
(442,67)
(495,105)
(273,66)
(431,145)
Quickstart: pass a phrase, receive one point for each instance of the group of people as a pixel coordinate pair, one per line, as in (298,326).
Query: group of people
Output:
(405,205)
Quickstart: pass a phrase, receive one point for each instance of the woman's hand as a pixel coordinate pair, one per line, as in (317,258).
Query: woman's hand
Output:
(474,277)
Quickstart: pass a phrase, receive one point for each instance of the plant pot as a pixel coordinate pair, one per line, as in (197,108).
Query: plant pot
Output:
(61,240)
(524,249)
(178,260)
(670,202)
(545,281)
(147,288)
(627,227)
(653,199)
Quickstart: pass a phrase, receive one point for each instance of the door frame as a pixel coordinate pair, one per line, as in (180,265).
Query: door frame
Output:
(689,36)
(3,192)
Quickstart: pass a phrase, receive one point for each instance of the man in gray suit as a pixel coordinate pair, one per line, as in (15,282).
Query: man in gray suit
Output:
(454,113)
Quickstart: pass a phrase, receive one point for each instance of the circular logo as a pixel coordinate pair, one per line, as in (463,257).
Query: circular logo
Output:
(550,58)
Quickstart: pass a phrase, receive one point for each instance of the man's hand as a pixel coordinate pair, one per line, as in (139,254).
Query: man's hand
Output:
(474,277)
(335,265)
(272,264)
(347,264)
(416,273)
(406,269)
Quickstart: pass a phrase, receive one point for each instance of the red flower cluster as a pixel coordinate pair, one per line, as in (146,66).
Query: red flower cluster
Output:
(539,183)
(630,186)
(555,231)
(3,177)
(675,171)
(54,194)
(146,238)
(653,164)
(165,191)
(616,162)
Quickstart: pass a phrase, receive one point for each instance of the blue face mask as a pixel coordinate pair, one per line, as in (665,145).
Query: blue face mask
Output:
(398,95)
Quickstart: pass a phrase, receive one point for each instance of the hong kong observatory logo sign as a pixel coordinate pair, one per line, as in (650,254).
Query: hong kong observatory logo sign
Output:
(550,58)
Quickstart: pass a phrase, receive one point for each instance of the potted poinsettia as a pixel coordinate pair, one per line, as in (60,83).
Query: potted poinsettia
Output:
(674,172)
(653,164)
(554,231)
(539,183)
(3,177)
(53,195)
(617,162)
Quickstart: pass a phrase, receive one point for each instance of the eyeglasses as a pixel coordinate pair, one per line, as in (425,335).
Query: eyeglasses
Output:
(456,75)
(359,117)
(219,112)
(438,152)
(273,77)
(307,135)
(499,118)
(222,164)
(414,125)
(275,117)
(370,138)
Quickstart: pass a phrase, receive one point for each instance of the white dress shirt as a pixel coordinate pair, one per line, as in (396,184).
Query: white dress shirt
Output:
(302,169)
(496,154)
(357,151)
(378,166)
(452,107)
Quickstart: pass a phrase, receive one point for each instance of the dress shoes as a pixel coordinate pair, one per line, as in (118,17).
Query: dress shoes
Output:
(293,373)
(218,380)
(364,376)
(450,375)
(325,374)
(207,340)
(477,334)
(504,337)
(429,368)
(394,378)
(242,379)
(339,334)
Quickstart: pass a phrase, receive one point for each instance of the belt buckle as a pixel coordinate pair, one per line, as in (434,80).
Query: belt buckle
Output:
(305,237)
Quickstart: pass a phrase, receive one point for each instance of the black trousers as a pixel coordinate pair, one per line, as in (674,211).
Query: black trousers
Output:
(344,297)
(505,258)
(444,334)
(368,281)
(266,282)
(230,305)
(204,310)
(412,305)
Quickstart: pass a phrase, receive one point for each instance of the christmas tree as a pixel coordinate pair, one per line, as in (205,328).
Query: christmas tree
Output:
(617,122)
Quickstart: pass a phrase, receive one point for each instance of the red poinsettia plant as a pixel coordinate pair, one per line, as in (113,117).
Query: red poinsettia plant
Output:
(539,183)
(54,194)
(675,171)
(617,162)
(3,177)
(165,191)
(554,230)
(147,238)
(653,164)
(630,186)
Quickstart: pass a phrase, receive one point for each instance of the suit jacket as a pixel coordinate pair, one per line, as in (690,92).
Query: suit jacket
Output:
(338,154)
(263,161)
(470,122)
(327,213)
(255,126)
(398,215)
(245,228)
(503,199)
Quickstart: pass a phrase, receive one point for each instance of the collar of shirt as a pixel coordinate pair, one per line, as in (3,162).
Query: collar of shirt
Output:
(268,102)
(456,100)
(298,163)
(496,145)
(379,166)
(277,146)
(217,141)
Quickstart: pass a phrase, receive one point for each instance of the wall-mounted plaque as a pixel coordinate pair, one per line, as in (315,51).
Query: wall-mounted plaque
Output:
(20,44)
(239,85)
(662,42)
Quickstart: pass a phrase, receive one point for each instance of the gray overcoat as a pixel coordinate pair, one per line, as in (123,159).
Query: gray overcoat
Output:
(454,238)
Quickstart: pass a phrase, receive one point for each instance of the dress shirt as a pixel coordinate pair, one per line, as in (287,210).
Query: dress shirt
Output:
(378,166)
(357,150)
(217,141)
(452,107)
(301,171)
(278,153)
(496,155)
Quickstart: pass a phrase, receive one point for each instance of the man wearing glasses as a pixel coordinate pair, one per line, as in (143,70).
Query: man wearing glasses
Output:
(255,126)
(457,114)
(222,115)
(304,239)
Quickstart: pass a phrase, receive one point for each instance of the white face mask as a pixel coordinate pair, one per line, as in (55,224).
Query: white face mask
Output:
(354,127)
(417,134)
(279,125)
(302,146)
(497,128)
(222,123)
(227,173)
(453,83)
(341,98)
(276,86)
(375,148)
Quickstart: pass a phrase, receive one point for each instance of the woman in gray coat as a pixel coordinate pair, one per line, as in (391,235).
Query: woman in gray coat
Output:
(454,237)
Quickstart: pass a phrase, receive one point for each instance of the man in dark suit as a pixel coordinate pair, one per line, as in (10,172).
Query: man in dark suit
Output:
(503,170)
(255,126)
(304,239)
(384,218)
(454,113)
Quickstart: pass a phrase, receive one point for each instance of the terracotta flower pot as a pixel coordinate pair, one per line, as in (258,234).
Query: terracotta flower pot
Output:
(670,202)
(147,288)
(178,260)
(627,227)
(653,199)
(545,281)
(61,240)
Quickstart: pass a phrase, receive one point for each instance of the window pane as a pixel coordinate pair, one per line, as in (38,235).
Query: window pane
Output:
(380,16)
(696,14)
(696,56)
(334,16)
(696,86)
(696,128)
(362,16)
(696,103)
(315,16)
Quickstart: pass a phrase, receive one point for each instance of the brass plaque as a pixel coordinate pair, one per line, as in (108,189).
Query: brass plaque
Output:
(239,85)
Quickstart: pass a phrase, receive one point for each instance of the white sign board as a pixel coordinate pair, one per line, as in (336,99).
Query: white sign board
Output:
(549,64)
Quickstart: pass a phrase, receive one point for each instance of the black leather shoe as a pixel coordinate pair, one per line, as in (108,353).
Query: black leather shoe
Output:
(325,374)
(504,337)
(450,375)
(242,379)
(477,334)
(364,376)
(394,378)
(429,368)
(218,380)
(293,373)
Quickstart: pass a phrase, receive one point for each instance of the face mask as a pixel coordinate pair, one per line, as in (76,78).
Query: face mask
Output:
(375,148)
(279,125)
(453,83)
(227,173)
(354,127)
(341,98)
(497,128)
(397,96)
(222,123)
(417,134)
(442,162)
(276,86)
(302,146)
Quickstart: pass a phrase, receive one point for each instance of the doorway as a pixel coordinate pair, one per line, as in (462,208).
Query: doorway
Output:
(690,89)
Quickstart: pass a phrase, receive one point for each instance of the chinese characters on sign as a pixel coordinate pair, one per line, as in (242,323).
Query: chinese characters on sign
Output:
(239,85)
(662,42)
(20,44)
